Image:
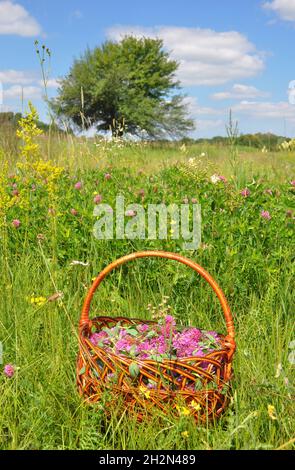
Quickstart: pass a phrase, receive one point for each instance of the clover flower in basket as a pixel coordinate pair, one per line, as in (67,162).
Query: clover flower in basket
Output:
(156,363)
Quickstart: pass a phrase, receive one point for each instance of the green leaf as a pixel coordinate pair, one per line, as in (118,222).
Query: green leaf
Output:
(132,332)
(132,351)
(108,331)
(151,334)
(82,371)
(134,370)
(157,357)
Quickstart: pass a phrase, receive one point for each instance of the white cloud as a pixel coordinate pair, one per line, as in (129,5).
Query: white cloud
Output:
(206,57)
(51,83)
(24,78)
(23,85)
(210,121)
(207,119)
(266,110)
(14,19)
(195,109)
(204,125)
(27,93)
(285,9)
(239,92)
(19,77)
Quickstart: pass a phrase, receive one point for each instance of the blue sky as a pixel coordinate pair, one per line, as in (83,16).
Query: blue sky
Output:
(237,55)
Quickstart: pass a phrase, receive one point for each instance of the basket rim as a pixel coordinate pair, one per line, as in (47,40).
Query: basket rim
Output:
(226,349)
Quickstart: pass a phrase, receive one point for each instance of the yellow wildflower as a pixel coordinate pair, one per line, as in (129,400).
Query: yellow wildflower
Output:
(195,405)
(185,434)
(45,171)
(28,132)
(39,301)
(271,412)
(145,391)
(183,411)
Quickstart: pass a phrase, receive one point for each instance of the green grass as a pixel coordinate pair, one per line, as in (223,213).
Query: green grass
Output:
(252,259)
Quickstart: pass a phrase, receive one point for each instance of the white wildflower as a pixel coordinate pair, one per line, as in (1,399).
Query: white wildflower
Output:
(215,179)
(78,263)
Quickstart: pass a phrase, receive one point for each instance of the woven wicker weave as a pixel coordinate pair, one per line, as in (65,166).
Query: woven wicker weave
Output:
(177,381)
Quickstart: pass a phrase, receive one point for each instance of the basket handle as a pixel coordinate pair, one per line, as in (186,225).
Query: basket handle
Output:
(84,320)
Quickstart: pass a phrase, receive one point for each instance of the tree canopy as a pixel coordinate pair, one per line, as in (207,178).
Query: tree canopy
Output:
(125,86)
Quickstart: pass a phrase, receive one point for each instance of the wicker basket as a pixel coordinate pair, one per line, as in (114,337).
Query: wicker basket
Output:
(177,381)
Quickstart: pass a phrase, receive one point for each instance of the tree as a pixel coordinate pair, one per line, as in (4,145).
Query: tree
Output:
(129,85)
(9,119)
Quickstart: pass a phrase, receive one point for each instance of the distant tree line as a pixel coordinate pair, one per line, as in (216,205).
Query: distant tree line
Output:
(9,121)
(258,140)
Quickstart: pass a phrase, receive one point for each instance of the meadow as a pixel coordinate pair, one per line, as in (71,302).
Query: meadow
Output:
(49,186)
